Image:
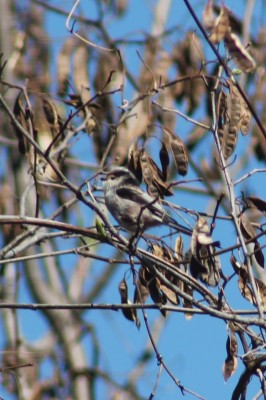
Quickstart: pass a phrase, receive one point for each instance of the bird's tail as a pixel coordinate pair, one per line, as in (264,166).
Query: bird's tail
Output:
(175,225)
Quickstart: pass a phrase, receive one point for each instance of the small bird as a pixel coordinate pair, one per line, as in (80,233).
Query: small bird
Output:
(134,209)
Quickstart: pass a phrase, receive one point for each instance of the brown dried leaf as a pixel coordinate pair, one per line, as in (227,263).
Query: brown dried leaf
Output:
(152,177)
(245,121)
(165,254)
(179,249)
(246,288)
(165,161)
(141,291)
(241,56)
(179,151)
(222,114)
(169,293)
(231,363)
(20,115)
(221,27)
(203,264)
(208,16)
(51,114)
(157,296)
(198,270)
(147,175)
(133,162)
(129,313)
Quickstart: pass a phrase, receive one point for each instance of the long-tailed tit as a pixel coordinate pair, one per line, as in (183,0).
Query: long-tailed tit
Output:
(134,209)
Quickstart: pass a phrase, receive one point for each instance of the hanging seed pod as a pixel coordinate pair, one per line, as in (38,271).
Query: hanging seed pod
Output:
(241,56)
(222,114)
(221,27)
(230,364)
(179,151)
(245,119)
(231,127)
(204,265)
(208,16)
(20,115)
(129,313)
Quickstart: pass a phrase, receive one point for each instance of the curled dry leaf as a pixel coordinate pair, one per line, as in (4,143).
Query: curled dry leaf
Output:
(204,265)
(141,291)
(230,364)
(208,16)
(153,177)
(165,254)
(133,160)
(179,151)
(245,286)
(158,289)
(129,313)
(241,56)
(223,116)
(22,118)
(165,161)
(221,27)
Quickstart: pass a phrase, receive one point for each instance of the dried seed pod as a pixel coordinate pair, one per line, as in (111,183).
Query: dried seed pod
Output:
(245,119)
(133,162)
(153,177)
(129,313)
(241,56)
(165,161)
(230,364)
(20,115)
(208,16)
(221,27)
(179,151)
(141,291)
(204,265)
(245,286)
(222,114)
(231,128)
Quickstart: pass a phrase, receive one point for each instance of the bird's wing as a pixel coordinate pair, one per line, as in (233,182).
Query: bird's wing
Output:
(136,195)
(143,199)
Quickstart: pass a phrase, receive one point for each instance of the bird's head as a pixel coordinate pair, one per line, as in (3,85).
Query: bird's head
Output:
(119,176)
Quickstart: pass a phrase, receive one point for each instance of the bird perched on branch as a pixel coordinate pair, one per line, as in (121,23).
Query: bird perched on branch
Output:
(134,209)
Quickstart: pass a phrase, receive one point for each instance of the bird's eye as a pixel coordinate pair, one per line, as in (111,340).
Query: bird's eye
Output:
(112,177)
